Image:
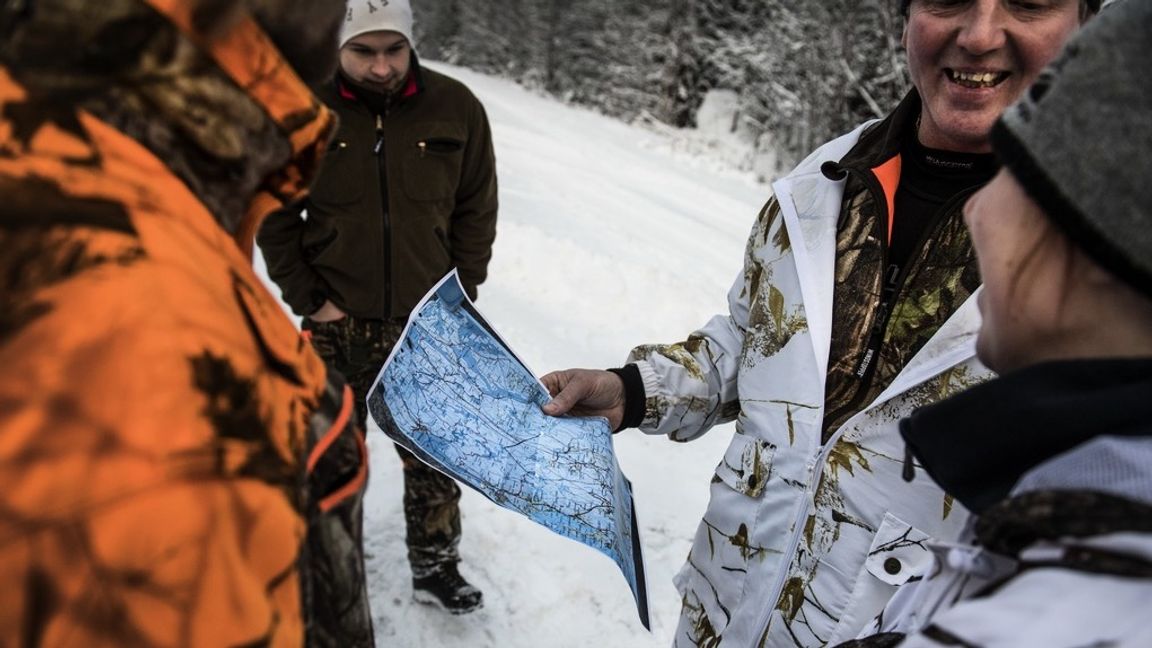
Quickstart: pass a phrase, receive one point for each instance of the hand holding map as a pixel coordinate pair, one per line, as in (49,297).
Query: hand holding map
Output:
(456,396)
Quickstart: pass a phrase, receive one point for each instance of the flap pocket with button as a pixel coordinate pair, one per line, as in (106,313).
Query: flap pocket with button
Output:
(747,465)
(899,552)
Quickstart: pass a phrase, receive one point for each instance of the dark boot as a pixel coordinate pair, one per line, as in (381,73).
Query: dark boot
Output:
(447,589)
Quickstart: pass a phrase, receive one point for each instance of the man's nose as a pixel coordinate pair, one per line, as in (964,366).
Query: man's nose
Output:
(983,28)
(381,66)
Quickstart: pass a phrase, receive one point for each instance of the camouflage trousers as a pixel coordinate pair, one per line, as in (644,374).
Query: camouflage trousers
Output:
(357,348)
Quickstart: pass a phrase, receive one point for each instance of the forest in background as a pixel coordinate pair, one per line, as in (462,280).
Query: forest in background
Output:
(801,71)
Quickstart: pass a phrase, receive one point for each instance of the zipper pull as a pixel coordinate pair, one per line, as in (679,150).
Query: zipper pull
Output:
(423,147)
(379,135)
(875,342)
(909,472)
(865,363)
(880,324)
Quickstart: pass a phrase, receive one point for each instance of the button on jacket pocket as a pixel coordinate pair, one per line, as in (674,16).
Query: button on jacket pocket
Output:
(747,465)
(432,161)
(343,175)
(439,146)
(899,552)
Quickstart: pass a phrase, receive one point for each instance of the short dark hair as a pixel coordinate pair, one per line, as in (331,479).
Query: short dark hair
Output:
(1086,6)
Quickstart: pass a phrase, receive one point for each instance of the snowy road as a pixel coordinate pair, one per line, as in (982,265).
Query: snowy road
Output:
(609,236)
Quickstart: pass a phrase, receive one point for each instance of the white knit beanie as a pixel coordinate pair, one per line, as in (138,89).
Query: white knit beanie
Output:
(363,16)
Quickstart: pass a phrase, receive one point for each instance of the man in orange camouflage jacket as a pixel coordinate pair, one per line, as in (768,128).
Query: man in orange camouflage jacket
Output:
(177,468)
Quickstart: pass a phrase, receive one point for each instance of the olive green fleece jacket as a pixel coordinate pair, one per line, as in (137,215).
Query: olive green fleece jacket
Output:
(402,199)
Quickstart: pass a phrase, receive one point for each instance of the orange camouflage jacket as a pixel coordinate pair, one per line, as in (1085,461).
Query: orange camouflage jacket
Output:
(176,466)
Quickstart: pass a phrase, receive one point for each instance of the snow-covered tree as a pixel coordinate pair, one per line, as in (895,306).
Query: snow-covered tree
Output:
(803,71)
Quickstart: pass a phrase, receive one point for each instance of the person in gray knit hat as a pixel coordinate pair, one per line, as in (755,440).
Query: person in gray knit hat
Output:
(407,193)
(1079,144)
(1054,458)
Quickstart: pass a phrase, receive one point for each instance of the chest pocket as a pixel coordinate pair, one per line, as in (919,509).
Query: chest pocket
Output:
(432,160)
(344,173)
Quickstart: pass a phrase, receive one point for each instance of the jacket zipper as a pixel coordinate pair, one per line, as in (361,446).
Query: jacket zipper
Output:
(893,286)
(386,226)
(875,337)
(814,468)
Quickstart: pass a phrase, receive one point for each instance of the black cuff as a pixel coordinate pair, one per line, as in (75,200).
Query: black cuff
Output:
(634,396)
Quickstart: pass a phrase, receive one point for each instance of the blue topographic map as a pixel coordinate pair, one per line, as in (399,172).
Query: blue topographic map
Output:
(455,395)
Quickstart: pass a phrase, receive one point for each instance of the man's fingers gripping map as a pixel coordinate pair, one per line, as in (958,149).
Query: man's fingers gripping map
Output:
(455,394)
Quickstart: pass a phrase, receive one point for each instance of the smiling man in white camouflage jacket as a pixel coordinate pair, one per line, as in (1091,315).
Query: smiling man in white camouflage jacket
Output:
(854,307)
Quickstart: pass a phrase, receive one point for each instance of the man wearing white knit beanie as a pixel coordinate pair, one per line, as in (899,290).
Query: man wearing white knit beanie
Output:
(407,193)
(364,16)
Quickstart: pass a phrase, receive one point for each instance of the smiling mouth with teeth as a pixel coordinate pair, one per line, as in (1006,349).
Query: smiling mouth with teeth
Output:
(976,79)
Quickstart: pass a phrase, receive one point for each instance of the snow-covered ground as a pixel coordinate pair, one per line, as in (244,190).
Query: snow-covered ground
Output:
(609,236)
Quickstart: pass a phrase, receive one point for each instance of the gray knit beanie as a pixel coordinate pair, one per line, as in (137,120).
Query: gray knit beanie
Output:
(1080,141)
(365,16)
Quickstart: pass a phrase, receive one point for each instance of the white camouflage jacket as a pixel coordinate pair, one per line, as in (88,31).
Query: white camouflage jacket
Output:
(803,542)
(1053,461)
